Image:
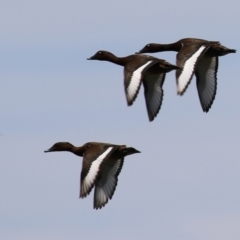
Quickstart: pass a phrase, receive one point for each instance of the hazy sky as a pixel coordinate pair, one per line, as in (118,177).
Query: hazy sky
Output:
(185,183)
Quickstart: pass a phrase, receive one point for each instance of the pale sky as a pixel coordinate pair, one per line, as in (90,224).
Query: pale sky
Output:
(185,183)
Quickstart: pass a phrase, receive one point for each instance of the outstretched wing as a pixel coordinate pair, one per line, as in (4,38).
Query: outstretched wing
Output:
(153,93)
(107,181)
(187,59)
(90,169)
(133,80)
(206,74)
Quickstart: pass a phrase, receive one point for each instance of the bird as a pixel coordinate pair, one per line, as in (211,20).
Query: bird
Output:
(139,68)
(195,56)
(101,165)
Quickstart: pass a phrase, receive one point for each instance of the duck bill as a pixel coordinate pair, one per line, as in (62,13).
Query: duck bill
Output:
(91,58)
(141,51)
(49,150)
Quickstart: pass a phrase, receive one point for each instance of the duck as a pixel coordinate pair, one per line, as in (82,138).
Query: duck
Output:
(101,166)
(139,68)
(195,56)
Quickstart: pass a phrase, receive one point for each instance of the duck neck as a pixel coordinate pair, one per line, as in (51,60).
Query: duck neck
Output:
(77,151)
(117,60)
(169,47)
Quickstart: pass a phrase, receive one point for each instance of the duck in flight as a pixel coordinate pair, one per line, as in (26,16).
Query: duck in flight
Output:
(102,163)
(195,56)
(139,69)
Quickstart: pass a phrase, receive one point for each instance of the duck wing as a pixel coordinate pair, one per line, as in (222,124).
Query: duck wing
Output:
(206,74)
(91,168)
(107,181)
(133,77)
(187,59)
(153,93)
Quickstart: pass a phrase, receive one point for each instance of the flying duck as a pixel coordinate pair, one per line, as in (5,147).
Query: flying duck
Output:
(102,163)
(139,69)
(195,56)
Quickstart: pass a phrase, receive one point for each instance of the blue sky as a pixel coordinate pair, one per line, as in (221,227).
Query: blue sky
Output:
(185,183)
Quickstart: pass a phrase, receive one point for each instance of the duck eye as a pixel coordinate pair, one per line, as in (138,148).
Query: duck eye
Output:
(148,45)
(99,52)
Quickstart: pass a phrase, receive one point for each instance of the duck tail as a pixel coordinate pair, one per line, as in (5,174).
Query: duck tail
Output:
(232,51)
(130,150)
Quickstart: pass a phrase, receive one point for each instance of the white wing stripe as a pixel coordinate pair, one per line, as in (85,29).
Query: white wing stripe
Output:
(135,81)
(188,69)
(92,173)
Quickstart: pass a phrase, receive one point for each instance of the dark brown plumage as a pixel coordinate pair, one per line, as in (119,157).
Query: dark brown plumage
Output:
(139,69)
(102,163)
(195,56)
